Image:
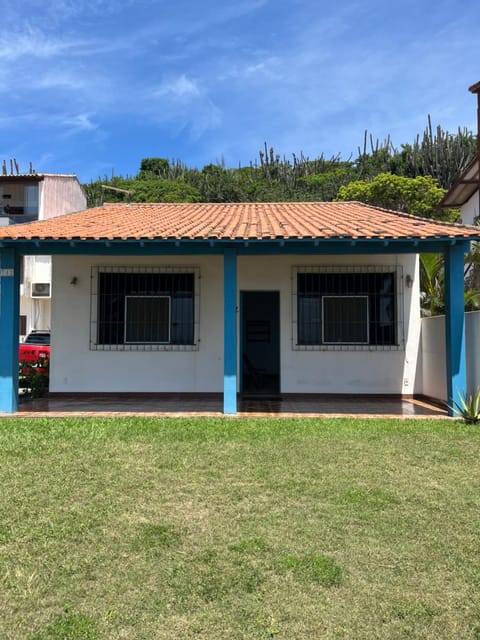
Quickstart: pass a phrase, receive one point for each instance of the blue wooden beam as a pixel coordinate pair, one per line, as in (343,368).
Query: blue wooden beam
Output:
(455,325)
(230,331)
(346,247)
(9,330)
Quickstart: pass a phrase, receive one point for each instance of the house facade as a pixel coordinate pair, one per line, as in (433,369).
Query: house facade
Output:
(317,298)
(26,198)
(289,332)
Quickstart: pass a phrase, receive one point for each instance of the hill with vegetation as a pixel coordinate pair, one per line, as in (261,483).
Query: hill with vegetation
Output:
(412,178)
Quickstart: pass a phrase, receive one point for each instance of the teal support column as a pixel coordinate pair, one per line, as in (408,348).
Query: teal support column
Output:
(9,330)
(230,331)
(455,325)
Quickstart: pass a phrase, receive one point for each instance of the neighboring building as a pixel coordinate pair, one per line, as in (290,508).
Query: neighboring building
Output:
(26,198)
(318,297)
(465,194)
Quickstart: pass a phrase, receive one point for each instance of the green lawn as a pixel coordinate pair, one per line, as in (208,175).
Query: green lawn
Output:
(226,529)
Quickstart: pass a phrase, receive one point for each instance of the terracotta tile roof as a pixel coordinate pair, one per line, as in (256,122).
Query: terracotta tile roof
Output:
(236,221)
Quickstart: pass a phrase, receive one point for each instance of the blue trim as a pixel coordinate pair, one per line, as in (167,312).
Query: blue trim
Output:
(9,329)
(330,246)
(455,325)
(230,332)
(240,323)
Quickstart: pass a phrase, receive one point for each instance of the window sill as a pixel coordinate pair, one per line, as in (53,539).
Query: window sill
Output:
(144,348)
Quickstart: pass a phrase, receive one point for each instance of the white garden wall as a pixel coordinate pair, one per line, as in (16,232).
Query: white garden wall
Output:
(433,362)
(74,368)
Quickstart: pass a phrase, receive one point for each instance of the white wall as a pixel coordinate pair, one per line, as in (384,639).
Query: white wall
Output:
(59,195)
(75,368)
(469,211)
(337,371)
(434,376)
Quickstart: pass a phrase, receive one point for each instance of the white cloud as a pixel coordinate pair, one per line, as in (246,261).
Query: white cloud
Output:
(184,102)
(77,123)
(32,43)
(59,79)
(181,87)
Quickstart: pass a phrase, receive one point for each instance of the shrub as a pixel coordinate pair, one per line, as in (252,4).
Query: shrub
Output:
(34,377)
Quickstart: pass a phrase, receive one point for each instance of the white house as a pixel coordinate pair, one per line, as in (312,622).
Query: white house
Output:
(318,298)
(26,198)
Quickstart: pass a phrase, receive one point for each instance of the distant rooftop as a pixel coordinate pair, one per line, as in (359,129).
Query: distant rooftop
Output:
(34,176)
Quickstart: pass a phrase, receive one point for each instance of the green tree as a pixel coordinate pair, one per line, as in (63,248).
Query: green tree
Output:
(418,196)
(150,167)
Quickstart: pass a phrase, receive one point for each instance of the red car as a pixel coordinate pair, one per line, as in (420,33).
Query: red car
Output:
(35,349)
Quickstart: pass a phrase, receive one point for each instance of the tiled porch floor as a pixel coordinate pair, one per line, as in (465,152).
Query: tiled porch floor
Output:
(289,405)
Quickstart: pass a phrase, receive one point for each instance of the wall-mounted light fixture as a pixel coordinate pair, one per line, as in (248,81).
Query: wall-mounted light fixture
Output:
(409,281)
(74,281)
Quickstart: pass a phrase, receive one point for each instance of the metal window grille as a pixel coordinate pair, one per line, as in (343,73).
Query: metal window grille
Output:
(345,320)
(144,308)
(347,308)
(147,319)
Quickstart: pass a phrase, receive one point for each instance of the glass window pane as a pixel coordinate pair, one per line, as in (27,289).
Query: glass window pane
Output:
(345,319)
(309,320)
(147,319)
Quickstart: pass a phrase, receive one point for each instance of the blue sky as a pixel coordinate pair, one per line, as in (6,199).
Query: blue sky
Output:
(87,86)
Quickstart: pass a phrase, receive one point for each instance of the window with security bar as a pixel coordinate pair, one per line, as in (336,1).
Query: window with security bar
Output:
(144,308)
(341,307)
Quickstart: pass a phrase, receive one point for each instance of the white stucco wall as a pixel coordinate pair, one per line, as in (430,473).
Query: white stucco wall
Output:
(59,195)
(75,368)
(469,211)
(434,381)
(434,376)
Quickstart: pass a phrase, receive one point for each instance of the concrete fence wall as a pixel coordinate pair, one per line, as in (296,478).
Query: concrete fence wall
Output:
(433,367)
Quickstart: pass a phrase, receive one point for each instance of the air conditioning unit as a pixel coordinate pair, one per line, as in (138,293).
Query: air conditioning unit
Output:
(41,290)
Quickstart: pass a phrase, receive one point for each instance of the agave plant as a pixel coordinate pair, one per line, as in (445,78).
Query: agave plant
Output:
(468,407)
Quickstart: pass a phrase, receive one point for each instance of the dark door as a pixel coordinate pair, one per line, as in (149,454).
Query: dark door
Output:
(260,331)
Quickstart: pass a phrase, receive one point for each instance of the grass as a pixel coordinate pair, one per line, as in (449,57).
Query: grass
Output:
(239,529)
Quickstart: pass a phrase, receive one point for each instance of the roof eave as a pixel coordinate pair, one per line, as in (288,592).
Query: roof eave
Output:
(221,242)
(455,199)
